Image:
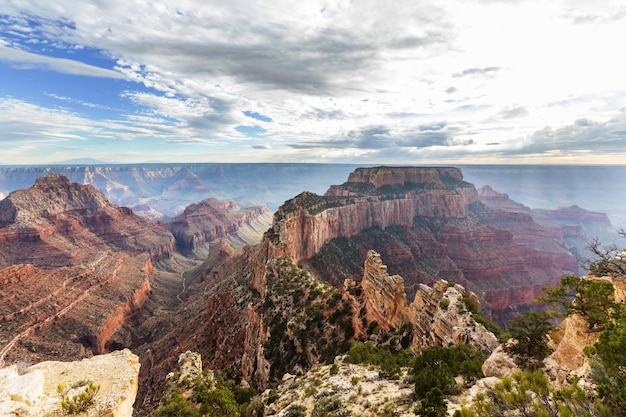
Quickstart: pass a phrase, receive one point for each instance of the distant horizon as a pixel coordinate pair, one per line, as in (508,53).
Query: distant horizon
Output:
(100,163)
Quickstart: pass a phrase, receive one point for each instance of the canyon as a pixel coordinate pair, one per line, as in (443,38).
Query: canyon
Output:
(260,296)
(75,268)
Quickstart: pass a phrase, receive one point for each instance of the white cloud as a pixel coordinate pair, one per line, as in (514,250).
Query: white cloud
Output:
(327,71)
(27,59)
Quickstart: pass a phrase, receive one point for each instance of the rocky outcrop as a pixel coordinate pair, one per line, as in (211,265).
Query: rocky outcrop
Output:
(355,390)
(35,390)
(383,294)
(212,219)
(438,315)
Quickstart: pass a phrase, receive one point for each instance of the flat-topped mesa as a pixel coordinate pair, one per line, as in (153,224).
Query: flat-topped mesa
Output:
(393,179)
(374,197)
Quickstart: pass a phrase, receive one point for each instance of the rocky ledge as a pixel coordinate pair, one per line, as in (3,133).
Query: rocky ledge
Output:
(40,390)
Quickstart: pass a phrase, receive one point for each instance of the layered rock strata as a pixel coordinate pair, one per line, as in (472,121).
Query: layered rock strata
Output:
(438,229)
(212,219)
(56,223)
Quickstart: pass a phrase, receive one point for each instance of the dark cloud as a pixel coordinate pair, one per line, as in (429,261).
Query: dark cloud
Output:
(261,147)
(451,90)
(478,72)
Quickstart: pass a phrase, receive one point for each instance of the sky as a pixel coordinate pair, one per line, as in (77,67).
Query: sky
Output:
(330,81)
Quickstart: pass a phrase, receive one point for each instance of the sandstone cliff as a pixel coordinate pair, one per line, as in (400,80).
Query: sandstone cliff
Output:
(38,390)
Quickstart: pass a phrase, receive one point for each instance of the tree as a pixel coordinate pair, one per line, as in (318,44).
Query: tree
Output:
(609,260)
(593,300)
(437,366)
(609,371)
(433,405)
(531,333)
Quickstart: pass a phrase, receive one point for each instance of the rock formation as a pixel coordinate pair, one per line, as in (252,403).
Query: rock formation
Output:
(429,224)
(56,223)
(75,268)
(212,219)
(437,316)
(38,390)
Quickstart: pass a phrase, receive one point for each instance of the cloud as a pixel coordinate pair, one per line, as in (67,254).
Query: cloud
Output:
(382,137)
(29,60)
(513,113)
(338,79)
(582,135)
(478,72)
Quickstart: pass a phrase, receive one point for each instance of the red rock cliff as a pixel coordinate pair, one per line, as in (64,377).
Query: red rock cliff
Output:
(392,196)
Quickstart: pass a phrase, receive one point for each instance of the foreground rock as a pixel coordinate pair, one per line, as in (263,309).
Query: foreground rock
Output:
(356,390)
(38,390)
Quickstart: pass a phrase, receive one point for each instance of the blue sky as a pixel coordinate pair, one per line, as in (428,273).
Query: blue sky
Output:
(404,82)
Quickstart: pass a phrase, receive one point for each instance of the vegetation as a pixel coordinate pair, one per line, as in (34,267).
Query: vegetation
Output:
(330,407)
(79,397)
(531,335)
(530,394)
(609,364)
(390,363)
(437,367)
(434,405)
(307,320)
(471,306)
(215,398)
(593,300)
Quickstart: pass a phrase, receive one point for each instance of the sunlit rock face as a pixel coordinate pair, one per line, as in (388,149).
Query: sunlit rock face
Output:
(38,390)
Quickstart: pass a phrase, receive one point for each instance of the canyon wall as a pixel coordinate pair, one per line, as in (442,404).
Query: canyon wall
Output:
(443,229)
(212,219)
(304,227)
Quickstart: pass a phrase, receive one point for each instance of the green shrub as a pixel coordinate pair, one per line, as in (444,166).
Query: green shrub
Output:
(177,406)
(295,410)
(81,401)
(437,366)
